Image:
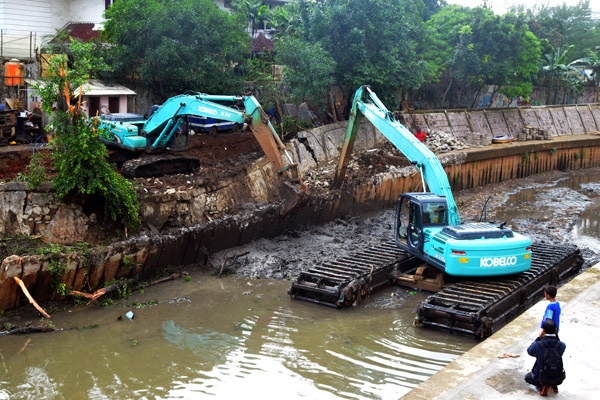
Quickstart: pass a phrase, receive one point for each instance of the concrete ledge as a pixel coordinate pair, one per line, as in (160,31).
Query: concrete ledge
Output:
(480,374)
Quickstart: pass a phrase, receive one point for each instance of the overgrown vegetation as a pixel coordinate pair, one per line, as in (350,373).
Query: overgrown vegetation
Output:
(421,51)
(84,174)
(177,46)
(35,173)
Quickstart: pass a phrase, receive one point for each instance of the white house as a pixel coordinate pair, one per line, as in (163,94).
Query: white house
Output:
(25,25)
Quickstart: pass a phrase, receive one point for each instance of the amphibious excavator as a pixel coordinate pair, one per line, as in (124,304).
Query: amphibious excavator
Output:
(483,273)
(428,223)
(167,130)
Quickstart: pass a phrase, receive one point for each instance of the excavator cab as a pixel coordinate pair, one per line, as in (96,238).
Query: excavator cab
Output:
(418,212)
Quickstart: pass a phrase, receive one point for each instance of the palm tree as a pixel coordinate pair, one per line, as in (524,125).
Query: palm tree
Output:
(255,11)
(560,74)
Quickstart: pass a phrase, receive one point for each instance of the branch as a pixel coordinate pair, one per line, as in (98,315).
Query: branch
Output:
(31,300)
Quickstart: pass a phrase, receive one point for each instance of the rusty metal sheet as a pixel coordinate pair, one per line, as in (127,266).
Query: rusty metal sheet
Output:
(529,117)
(559,120)
(497,122)
(459,123)
(545,120)
(438,121)
(587,119)
(514,121)
(574,120)
(478,122)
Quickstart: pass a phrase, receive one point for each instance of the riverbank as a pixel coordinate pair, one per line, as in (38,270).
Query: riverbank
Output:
(484,373)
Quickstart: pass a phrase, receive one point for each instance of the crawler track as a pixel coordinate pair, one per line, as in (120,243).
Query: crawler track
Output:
(481,307)
(341,282)
(473,307)
(159,165)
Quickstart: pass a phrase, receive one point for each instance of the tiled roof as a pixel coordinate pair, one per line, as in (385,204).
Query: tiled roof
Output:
(262,44)
(83,31)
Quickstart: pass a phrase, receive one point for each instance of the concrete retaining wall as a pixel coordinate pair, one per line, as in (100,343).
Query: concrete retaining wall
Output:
(556,120)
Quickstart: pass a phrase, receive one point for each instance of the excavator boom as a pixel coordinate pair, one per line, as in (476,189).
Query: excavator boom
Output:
(366,103)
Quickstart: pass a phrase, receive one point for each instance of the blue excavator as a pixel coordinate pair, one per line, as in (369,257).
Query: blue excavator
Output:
(428,223)
(166,129)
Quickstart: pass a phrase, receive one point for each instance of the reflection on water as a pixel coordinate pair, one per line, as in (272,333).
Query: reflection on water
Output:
(586,233)
(577,190)
(234,336)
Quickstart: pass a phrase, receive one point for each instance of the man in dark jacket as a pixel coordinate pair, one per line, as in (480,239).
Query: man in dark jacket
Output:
(536,349)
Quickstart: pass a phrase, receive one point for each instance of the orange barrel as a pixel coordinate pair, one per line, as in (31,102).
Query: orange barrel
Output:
(14,73)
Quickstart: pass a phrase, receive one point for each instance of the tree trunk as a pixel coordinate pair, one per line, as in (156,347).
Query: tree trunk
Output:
(492,96)
(447,90)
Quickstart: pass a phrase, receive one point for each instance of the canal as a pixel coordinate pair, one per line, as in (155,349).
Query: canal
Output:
(242,336)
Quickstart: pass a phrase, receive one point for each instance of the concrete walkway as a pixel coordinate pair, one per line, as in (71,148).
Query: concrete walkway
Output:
(481,374)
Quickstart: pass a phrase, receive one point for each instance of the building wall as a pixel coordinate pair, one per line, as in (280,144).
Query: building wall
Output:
(27,24)
(46,16)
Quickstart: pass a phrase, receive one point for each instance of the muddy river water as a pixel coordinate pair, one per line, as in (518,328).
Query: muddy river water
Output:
(210,338)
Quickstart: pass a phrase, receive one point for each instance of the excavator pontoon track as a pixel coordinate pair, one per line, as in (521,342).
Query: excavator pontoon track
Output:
(475,307)
(341,282)
(481,307)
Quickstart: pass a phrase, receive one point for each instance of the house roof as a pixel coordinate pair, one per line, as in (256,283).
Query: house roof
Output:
(261,44)
(95,87)
(84,31)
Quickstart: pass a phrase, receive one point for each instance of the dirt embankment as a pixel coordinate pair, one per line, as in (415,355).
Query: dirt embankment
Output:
(220,156)
(548,215)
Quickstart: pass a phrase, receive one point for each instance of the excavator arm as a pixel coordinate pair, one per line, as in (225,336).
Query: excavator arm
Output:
(367,104)
(163,124)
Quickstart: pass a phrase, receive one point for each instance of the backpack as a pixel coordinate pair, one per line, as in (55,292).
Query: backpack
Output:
(552,372)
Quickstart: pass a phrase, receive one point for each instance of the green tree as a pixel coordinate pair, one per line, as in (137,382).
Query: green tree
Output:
(176,46)
(84,174)
(473,48)
(563,26)
(255,12)
(560,74)
(594,64)
(370,42)
(308,70)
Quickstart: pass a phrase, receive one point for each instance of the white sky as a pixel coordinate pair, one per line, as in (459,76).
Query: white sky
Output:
(500,6)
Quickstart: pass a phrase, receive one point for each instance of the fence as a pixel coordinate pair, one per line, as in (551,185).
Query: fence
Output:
(18,44)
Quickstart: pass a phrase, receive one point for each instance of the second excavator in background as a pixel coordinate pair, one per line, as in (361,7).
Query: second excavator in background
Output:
(166,129)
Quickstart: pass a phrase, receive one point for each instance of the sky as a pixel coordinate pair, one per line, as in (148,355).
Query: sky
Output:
(500,6)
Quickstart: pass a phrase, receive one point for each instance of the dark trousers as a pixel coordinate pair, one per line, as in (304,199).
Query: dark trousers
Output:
(529,379)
